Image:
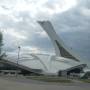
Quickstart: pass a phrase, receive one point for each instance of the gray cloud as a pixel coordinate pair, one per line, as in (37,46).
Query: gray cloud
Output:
(71,25)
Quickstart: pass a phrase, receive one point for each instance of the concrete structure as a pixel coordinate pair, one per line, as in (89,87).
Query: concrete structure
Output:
(60,48)
(45,64)
(64,63)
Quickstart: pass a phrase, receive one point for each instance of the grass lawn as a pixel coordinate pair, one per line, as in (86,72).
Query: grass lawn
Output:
(50,79)
(85,80)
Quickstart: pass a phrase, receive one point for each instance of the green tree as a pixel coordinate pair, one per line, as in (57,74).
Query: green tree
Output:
(1,42)
(1,45)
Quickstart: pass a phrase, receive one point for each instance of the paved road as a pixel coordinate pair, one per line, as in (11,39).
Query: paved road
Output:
(24,84)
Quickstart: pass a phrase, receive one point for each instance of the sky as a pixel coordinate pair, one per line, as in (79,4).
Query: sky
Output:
(70,18)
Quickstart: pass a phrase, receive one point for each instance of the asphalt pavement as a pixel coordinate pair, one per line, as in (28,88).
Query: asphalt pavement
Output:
(17,83)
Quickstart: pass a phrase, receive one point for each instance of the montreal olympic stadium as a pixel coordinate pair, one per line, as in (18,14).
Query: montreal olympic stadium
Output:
(64,63)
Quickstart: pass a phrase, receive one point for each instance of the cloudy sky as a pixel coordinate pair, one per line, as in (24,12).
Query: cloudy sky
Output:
(70,18)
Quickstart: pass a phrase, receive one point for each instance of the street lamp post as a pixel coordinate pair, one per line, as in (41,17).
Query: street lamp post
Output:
(18,59)
(18,53)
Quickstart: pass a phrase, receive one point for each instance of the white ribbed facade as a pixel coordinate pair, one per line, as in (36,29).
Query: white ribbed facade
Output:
(64,60)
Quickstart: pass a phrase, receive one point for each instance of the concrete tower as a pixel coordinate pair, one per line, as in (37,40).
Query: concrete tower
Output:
(60,48)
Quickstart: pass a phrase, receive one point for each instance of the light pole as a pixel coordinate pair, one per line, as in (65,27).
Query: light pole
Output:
(18,53)
(18,59)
